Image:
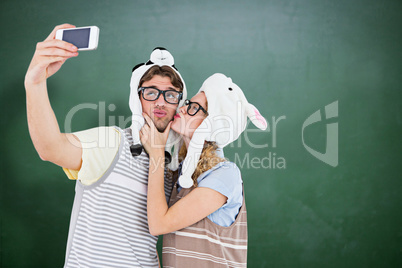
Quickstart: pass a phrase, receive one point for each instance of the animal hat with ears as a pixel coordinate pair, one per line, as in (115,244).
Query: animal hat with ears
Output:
(161,57)
(228,110)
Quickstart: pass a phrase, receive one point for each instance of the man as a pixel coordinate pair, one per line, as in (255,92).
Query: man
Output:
(108,225)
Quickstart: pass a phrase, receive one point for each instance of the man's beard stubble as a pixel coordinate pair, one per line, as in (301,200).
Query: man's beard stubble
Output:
(161,125)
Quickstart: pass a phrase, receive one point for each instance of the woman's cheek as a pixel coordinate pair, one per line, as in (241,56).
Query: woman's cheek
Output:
(177,126)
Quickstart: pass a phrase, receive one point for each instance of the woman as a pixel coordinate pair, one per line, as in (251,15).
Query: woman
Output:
(205,225)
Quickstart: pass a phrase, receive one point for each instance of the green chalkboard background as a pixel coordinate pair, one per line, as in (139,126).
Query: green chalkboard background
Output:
(291,58)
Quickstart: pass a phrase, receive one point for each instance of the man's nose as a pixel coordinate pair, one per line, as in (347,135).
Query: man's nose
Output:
(160,101)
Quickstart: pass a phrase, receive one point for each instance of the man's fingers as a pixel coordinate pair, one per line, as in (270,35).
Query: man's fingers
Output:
(49,60)
(56,52)
(52,35)
(54,43)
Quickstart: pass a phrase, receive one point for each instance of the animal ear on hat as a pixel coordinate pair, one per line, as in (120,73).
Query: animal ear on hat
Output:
(137,66)
(255,117)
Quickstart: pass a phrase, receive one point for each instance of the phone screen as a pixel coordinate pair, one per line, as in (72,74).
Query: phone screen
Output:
(79,37)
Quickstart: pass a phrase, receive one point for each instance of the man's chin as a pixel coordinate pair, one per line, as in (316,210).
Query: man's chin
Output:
(161,130)
(161,126)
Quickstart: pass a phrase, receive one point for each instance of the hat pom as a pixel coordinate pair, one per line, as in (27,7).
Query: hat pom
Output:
(185,182)
(161,56)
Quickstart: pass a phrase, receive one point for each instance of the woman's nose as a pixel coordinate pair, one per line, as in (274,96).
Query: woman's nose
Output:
(183,109)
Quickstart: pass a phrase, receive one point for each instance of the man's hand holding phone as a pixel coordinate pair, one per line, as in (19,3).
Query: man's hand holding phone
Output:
(85,38)
(63,149)
(49,56)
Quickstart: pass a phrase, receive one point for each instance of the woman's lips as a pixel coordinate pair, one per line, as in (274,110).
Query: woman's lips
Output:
(177,116)
(159,113)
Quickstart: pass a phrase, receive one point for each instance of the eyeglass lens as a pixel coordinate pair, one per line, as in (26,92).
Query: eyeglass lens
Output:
(193,108)
(170,96)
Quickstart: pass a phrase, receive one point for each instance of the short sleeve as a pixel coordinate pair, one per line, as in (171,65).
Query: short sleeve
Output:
(99,148)
(225,179)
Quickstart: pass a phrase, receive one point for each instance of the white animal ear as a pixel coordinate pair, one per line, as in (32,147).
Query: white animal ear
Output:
(255,117)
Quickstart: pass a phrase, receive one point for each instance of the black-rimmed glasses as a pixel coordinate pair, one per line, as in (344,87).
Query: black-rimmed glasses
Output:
(194,107)
(170,96)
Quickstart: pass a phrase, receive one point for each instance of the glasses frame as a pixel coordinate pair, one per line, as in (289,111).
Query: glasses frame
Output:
(188,102)
(163,92)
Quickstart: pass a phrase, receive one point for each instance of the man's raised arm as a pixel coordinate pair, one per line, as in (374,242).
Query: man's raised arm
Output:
(52,145)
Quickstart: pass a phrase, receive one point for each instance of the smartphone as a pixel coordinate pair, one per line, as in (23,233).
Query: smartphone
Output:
(84,38)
